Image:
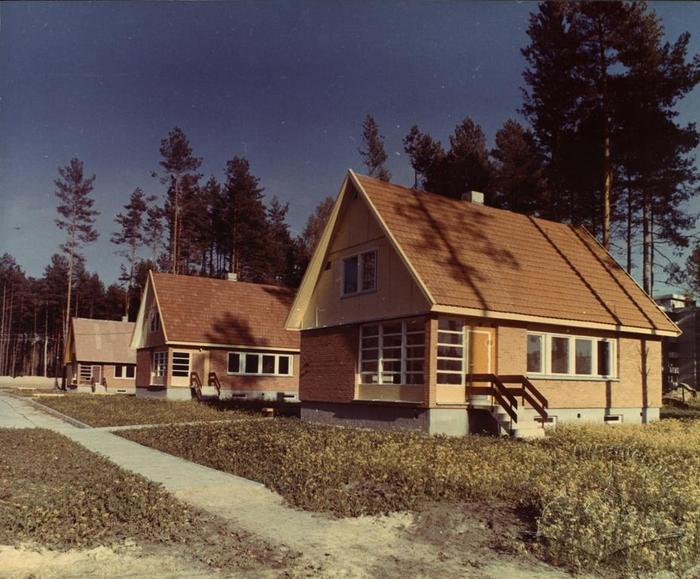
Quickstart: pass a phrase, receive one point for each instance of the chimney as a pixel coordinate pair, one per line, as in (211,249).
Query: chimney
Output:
(473,197)
(232,276)
(125,318)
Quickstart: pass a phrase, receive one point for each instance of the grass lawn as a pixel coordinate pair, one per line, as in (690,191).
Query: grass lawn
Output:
(129,410)
(623,499)
(57,494)
(682,410)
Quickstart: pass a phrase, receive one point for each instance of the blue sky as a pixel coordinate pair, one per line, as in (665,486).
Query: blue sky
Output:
(286,84)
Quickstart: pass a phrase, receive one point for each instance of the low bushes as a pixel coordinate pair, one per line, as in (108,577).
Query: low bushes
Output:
(56,493)
(623,498)
(129,410)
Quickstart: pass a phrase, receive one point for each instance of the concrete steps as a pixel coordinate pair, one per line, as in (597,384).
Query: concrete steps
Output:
(526,427)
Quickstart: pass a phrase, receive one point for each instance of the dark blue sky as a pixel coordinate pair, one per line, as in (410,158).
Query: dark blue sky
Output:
(287,84)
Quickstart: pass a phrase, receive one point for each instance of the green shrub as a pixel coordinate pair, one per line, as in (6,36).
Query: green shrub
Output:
(623,498)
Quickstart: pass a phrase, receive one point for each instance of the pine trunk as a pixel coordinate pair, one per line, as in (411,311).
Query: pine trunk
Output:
(629,228)
(646,242)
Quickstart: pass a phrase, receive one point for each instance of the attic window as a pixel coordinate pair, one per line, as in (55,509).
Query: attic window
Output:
(359,273)
(154,322)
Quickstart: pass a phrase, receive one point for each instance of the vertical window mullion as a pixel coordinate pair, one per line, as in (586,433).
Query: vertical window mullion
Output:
(403,352)
(380,353)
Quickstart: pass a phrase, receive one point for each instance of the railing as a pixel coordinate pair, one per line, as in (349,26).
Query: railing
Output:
(196,383)
(501,392)
(213,380)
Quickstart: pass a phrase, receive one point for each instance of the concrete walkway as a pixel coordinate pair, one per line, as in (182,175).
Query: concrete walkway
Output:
(354,547)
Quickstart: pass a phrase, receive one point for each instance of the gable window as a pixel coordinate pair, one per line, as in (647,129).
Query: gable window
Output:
(557,355)
(124,371)
(359,273)
(259,364)
(160,361)
(392,353)
(181,363)
(154,321)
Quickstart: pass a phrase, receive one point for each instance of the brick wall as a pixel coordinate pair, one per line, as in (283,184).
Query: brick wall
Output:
(328,364)
(143,368)
(635,387)
(218,362)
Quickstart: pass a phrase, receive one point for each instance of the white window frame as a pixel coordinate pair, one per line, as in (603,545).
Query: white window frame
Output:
(85,373)
(160,364)
(121,371)
(242,363)
(463,346)
(571,374)
(360,271)
(380,373)
(179,365)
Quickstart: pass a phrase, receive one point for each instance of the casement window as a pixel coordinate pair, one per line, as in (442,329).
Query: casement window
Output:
(124,371)
(393,353)
(181,364)
(154,321)
(359,273)
(557,355)
(160,362)
(259,364)
(450,352)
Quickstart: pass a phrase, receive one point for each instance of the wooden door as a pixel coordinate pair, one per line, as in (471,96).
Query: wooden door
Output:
(479,358)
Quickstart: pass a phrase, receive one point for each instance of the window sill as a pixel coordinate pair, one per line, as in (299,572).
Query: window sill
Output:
(360,293)
(258,375)
(572,378)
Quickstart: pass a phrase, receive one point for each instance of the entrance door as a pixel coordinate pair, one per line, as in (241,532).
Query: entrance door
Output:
(97,375)
(479,359)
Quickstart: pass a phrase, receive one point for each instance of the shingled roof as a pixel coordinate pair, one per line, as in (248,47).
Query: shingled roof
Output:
(199,310)
(476,260)
(104,341)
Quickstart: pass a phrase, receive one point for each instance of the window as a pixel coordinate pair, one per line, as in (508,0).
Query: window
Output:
(85,373)
(124,371)
(181,363)
(560,355)
(551,354)
(392,353)
(154,322)
(257,364)
(450,352)
(535,353)
(360,273)
(160,361)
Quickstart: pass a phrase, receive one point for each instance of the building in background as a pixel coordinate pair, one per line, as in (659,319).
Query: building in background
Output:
(98,357)
(214,337)
(680,353)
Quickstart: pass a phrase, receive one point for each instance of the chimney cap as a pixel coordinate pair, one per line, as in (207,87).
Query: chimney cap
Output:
(473,197)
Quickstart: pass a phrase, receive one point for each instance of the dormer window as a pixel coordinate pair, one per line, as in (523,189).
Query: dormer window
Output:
(154,322)
(359,273)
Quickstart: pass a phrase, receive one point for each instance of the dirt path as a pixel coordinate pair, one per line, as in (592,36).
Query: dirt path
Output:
(392,546)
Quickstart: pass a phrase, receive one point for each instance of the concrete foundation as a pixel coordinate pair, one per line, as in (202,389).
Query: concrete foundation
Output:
(164,393)
(604,415)
(266,395)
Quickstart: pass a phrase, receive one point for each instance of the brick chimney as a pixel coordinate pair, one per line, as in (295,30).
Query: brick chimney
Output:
(232,276)
(473,197)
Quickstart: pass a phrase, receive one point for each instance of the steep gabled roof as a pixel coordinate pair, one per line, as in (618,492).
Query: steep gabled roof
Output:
(102,341)
(205,311)
(475,260)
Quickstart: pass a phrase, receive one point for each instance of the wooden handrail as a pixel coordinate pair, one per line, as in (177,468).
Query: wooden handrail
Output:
(499,391)
(502,393)
(213,380)
(197,383)
(530,387)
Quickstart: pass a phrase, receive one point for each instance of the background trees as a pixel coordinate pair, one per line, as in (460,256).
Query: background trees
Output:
(373,150)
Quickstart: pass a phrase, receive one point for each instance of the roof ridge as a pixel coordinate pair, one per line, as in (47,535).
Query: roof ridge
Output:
(222,280)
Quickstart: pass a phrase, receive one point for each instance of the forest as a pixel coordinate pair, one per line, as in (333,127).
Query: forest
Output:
(599,144)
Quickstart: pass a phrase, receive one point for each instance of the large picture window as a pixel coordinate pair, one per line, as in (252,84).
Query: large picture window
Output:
(359,273)
(393,353)
(557,355)
(259,364)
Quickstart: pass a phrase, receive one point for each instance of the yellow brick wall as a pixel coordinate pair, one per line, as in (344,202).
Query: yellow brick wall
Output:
(628,391)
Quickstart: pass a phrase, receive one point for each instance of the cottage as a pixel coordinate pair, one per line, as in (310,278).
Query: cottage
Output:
(214,337)
(421,311)
(98,357)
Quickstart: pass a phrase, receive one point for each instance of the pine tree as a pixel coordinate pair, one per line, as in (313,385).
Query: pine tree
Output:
(519,181)
(279,244)
(77,218)
(373,150)
(131,235)
(180,166)
(153,230)
(245,221)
